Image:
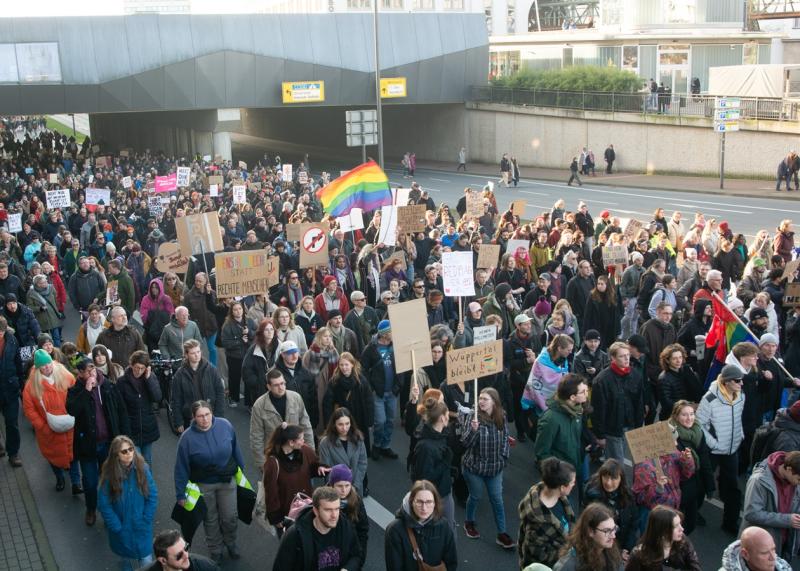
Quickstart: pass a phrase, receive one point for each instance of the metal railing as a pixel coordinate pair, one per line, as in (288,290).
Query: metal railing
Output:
(675,105)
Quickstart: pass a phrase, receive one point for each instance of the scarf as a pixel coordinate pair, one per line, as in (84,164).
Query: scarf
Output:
(692,437)
(729,396)
(574,410)
(621,371)
(295,295)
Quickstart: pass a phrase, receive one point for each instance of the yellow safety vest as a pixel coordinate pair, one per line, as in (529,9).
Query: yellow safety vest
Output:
(241,480)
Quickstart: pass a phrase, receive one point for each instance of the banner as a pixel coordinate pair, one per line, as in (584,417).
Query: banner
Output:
(15,222)
(241,274)
(410,332)
(58,198)
(411,218)
(198,233)
(98,196)
(488,255)
(167,183)
(182,177)
(127,182)
(474,362)
(457,274)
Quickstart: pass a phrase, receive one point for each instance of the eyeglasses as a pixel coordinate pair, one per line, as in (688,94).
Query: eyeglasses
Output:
(419,287)
(126,451)
(423,503)
(183,552)
(608,532)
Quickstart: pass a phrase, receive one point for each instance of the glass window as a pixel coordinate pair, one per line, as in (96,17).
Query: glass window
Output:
(392,4)
(673,54)
(359,4)
(567,57)
(611,14)
(8,64)
(457,5)
(423,4)
(512,12)
(630,57)
(38,62)
(750,53)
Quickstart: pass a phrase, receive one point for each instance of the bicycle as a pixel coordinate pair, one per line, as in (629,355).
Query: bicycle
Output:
(165,370)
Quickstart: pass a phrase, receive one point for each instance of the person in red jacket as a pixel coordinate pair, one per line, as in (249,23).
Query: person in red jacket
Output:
(332,297)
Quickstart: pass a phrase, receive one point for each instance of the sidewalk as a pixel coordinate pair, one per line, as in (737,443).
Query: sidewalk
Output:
(710,185)
(23,542)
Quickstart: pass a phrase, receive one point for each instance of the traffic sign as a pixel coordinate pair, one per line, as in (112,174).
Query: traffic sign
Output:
(727,114)
(727,102)
(393,87)
(726,126)
(314,240)
(303,91)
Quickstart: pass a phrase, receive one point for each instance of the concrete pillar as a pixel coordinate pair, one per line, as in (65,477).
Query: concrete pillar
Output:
(222,145)
(499,17)
(776,51)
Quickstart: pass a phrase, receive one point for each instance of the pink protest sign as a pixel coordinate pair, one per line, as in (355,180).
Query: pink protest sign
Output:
(167,183)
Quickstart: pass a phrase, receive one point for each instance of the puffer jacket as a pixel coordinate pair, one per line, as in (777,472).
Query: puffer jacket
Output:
(434,538)
(139,395)
(677,385)
(721,421)
(25,325)
(10,368)
(732,559)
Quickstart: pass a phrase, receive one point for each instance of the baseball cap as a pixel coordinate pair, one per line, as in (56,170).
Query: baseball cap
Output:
(288,347)
(521,318)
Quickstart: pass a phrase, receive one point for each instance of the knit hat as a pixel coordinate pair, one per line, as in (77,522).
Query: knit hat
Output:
(334,313)
(474,306)
(287,347)
(542,308)
(724,226)
(758,313)
(759,263)
(340,473)
(592,335)
(11,297)
(43,338)
(768,338)
(730,373)
(605,214)
(83,362)
(735,303)
(501,291)
(328,279)
(384,327)
(41,358)
(794,411)
(638,342)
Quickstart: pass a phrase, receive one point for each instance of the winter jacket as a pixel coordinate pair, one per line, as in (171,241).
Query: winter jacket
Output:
(24,323)
(788,438)
(434,538)
(677,385)
(373,370)
(631,277)
(207,456)
(310,324)
(125,290)
(559,433)
(56,447)
(683,557)
(432,458)
(122,343)
(231,337)
(264,419)
(10,368)
(295,334)
(210,388)
(173,336)
(761,506)
(783,244)
(603,317)
(354,457)
(493,307)
(486,450)
(584,360)
(517,361)
(322,310)
(617,402)
(43,305)
(139,396)
(364,325)
(285,476)
(541,535)
(129,517)
(658,335)
(81,405)
(626,517)
(202,308)
(303,382)
(732,559)
(578,291)
(749,287)
(677,467)
(296,551)
(255,365)
(353,394)
(161,302)
(661,294)
(721,421)
(730,264)
(12,284)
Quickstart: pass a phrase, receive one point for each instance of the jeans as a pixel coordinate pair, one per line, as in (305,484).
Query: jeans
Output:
(9,407)
(74,472)
(212,349)
(55,333)
(574,176)
(494,485)
(615,448)
(90,469)
(146,450)
(630,320)
(134,564)
(728,486)
(449,511)
(220,523)
(385,411)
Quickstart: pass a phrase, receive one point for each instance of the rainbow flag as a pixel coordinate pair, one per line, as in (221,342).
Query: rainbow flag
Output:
(365,187)
(725,332)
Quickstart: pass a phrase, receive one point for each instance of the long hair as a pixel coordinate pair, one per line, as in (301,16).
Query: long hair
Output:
(498,416)
(229,317)
(666,355)
(60,375)
(278,312)
(353,435)
(280,436)
(608,297)
(426,486)
(114,472)
(356,374)
(261,339)
(559,341)
(612,469)
(658,531)
(102,349)
(590,555)
(353,502)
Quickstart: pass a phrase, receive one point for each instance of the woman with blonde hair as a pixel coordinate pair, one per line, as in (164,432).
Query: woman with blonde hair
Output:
(174,288)
(286,330)
(321,361)
(307,319)
(44,401)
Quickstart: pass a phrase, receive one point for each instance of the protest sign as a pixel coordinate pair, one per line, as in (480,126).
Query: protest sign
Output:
(457,273)
(199,233)
(167,183)
(474,204)
(790,268)
(216,179)
(154,206)
(512,245)
(398,255)
(213,190)
(483,334)
(241,274)
(409,321)
(95,149)
(98,196)
(400,196)
(411,218)
(242,165)
(52,178)
(474,362)
(302,177)
(207,158)
(239,194)
(387,234)
(518,207)
(112,293)
(286,170)
(791,297)
(124,153)
(488,255)
(58,198)
(28,170)
(353,221)
(170,259)
(182,176)
(293,232)
(127,182)
(15,222)
(313,245)
(615,255)
(650,441)
(631,230)
(101,162)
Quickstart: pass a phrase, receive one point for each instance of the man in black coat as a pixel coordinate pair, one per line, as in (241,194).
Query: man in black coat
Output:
(579,289)
(100,416)
(10,375)
(378,366)
(610,157)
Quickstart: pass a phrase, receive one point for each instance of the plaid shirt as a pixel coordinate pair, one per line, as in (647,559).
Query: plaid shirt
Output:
(486,450)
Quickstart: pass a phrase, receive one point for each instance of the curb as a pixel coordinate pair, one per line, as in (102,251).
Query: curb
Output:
(37,526)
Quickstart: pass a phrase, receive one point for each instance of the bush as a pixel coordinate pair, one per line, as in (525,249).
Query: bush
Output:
(582,78)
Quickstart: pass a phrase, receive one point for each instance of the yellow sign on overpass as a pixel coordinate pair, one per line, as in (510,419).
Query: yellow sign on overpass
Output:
(303,91)
(393,87)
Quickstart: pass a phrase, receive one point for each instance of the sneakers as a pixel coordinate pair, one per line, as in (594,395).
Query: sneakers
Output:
(471,530)
(504,540)
(15,461)
(76,490)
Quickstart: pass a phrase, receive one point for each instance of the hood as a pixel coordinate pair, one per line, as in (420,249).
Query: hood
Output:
(731,360)
(405,514)
(699,307)
(785,422)
(160,285)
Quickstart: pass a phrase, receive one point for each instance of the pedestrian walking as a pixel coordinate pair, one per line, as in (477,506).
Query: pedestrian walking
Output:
(343,443)
(573,173)
(141,394)
(610,156)
(664,545)
(462,159)
(10,375)
(592,544)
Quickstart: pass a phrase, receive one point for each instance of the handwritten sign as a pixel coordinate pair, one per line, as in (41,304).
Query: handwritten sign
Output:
(615,255)
(411,218)
(58,198)
(213,190)
(483,334)
(302,177)
(409,322)
(167,183)
(791,297)
(518,207)
(127,182)
(182,177)
(170,259)
(488,255)
(101,162)
(15,222)
(286,171)
(632,228)
(239,194)
(474,205)
(790,268)
(240,274)
(457,274)
(474,362)
(98,196)
(242,165)
(216,179)
(650,441)
(52,178)
(154,206)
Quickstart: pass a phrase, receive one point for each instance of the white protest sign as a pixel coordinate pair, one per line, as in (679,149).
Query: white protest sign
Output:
(353,221)
(457,274)
(483,334)
(15,222)
(213,189)
(401,196)
(302,177)
(98,196)
(287,172)
(388,232)
(127,182)
(58,198)
(207,158)
(183,176)
(239,196)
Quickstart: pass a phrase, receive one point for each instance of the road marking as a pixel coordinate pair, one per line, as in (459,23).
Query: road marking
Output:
(533,193)
(377,513)
(720,209)
(440,179)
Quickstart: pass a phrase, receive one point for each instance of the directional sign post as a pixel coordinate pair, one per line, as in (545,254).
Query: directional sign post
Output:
(727,111)
(303,91)
(361,128)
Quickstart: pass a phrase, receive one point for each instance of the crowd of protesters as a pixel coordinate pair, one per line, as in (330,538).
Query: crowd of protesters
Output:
(590,352)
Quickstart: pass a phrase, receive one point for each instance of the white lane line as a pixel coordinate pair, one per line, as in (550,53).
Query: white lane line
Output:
(694,206)
(598,201)
(533,193)
(377,513)
(440,179)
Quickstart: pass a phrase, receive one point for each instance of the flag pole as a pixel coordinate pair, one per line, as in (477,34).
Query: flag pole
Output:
(746,328)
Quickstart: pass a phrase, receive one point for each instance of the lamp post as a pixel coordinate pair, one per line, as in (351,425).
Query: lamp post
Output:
(377,82)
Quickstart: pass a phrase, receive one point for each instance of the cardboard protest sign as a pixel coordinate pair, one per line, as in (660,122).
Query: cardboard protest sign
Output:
(58,198)
(127,182)
(124,153)
(167,183)
(615,255)
(410,332)
(213,190)
(518,207)
(388,231)
(286,171)
(216,179)
(353,221)
(474,362)
(400,256)
(791,297)
(207,158)
(199,233)
(170,259)
(240,274)
(488,255)
(112,293)
(512,245)
(52,178)
(15,222)
(650,441)
(182,176)
(154,206)
(790,268)
(411,218)
(302,177)
(457,274)
(101,162)
(474,205)
(631,229)
(483,334)
(98,196)
(313,246)
(239,194)
(293,232)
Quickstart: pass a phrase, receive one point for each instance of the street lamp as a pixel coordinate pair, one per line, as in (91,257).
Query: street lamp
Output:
(377,82)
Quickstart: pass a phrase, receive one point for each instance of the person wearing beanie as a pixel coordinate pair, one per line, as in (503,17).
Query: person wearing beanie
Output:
(332,297)
(539,291)
(591,359)
(11,374)
(378,366)
(787,422)
(720,416)
(772,380)
(501,303)
(351,505)
(344,339)
(758,322)
(21,319)
(464,331)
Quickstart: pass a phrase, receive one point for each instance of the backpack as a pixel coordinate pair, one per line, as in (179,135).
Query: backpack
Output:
(763,442)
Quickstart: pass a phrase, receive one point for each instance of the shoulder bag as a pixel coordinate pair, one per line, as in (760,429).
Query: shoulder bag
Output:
(418,555)
(58,422)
